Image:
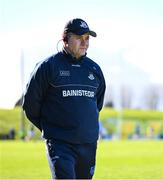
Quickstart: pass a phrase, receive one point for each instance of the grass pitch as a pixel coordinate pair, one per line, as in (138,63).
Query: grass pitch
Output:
(115,160)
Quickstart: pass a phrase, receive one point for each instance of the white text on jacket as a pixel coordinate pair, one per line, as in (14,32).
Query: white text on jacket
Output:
(86,93)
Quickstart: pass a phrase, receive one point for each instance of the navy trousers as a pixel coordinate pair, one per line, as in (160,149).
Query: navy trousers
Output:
(71,161)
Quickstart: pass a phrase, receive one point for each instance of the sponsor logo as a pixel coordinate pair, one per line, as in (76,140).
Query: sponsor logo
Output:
(64,73)
(86,93)
(91,76)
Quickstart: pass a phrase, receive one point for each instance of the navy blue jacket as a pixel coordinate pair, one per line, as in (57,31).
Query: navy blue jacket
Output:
(63,98)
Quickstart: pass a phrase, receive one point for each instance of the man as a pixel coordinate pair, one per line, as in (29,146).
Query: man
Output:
(63,99)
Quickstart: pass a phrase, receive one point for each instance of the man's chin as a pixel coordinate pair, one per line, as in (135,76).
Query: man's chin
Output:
(83,53)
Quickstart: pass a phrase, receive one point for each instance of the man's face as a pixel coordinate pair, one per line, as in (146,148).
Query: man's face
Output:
(78,44)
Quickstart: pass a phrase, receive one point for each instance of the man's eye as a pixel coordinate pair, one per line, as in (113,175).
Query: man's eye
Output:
(77,37)
(87,38)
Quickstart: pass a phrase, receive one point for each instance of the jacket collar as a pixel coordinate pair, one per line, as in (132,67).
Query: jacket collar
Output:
(72,59)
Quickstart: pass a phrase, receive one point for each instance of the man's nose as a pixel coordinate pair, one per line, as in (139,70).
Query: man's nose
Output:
(83,41)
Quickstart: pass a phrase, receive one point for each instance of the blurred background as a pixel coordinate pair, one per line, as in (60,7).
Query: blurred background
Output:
(128,48)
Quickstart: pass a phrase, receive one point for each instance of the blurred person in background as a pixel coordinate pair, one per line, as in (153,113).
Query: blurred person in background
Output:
(30,133)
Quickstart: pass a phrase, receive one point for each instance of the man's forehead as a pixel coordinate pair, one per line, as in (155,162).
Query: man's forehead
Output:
(83,35)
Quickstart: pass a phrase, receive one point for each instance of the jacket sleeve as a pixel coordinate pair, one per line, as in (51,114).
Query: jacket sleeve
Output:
(35,93)
(101,92)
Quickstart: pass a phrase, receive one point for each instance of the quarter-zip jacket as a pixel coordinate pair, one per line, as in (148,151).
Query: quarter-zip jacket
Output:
(63,98)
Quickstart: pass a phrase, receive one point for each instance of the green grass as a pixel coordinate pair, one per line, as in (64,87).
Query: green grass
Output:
(131,114)
(9,118)
(130,160)
(12,118)
(115,160)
